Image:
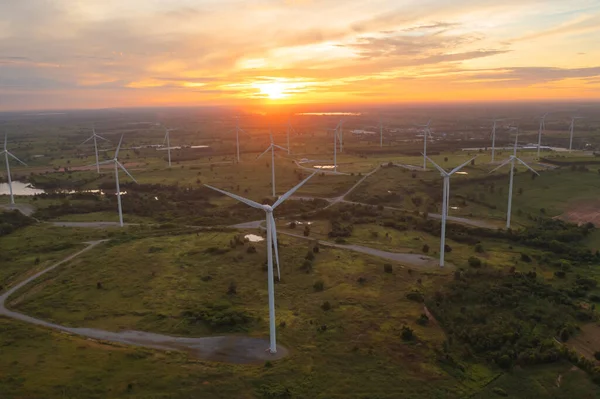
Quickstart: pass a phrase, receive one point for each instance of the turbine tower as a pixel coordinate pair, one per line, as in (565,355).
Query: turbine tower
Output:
(95,136)
(238,129)
(542,128)
(340,132)
(426,132)
(571,128)
(512,159)
(168,141)
(271,242)
(445,197)
(118,165)
(494,137)
(335,141)
(289,129)
(6,155)
(272,147)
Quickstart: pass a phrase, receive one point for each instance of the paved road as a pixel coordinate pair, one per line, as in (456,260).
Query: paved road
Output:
(230,349)
(411,259)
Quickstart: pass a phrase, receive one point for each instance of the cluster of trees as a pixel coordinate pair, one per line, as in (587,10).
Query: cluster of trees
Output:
(219,317)
(507,318)
(13,220)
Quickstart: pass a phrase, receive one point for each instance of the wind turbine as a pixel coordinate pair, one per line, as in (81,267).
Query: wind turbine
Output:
(271,242)
(238,129)
(494,137)
(512,159)
(542,128)
(426,132)
(272,147)
(445,197)
(335,141)
(167,140)
(6,155)
(340,132)
(95,136)
(118,165)
(571,128)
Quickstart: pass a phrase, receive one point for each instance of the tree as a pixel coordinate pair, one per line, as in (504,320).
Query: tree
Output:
(387,268)
(306,231)
(407,333)
(425,248)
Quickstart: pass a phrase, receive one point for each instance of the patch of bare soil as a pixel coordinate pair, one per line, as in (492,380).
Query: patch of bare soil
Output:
(583,212)
(587,342)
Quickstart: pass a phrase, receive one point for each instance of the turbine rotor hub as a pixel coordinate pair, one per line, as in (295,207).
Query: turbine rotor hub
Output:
(268,208)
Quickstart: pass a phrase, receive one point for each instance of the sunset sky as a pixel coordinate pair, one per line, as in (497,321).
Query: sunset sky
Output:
(110,53)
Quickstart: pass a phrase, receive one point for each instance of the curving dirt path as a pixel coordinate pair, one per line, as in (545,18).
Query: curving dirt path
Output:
(230,349)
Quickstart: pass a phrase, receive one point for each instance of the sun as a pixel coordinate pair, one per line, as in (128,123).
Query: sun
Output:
(273,90)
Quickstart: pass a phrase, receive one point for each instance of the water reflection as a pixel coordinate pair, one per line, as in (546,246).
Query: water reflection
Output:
(19,188)
(324,166)
(253,238)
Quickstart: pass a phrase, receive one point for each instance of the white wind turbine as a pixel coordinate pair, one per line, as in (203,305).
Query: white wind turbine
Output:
(272,147)
(340,132)
(445,197)
(271,242)
(512,159)
(95,136)
(542,128)
(426,132)
(168,141)
(571,128)
(335,141)
(118,165)
(238,129)
(6,155)
(494,137)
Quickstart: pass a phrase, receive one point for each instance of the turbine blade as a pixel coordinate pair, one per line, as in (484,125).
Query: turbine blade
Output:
(91,137)
(499,166)
(280,147)
(100,137)
(237,197)
(292,191)
(527,166)
(442,171)
(461,166)
(126,171)
(102,163)
(274,237)
(267,150)
(118,147)
(15,157)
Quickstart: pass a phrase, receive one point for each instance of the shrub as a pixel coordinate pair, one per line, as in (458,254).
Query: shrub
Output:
(232,289)
(387,268)
(361,280)
(474,261)
(251,249)
(525,257)
(326,306)
(423,319)
(597,355)
(316,249)
(407,333)
(306,231)
(307,266)
(479,248)
(292,225)
(319,285)
(415,296)
(310,255)
(560,274)
(425,248)
(447,248)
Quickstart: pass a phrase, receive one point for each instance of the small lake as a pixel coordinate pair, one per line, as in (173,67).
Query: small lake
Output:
(25,189)
(324,166)
(19,188)
(254,238)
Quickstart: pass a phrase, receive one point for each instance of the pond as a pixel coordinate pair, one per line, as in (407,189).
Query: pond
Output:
(324,166)
(26,189)
(254,238)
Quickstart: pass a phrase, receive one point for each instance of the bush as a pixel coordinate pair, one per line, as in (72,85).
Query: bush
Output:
(326,306)
(479,248)
(407,333)
(316,249)
(474,261)
(319,285)
(423,319)
(525,258)
(232,289)
(560,274)
(307,266)
(415,296)
(251,249)
(597,355)
(292,225)
(387,268)
(310,255)
(306,231)
(447,248)
(425,248)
